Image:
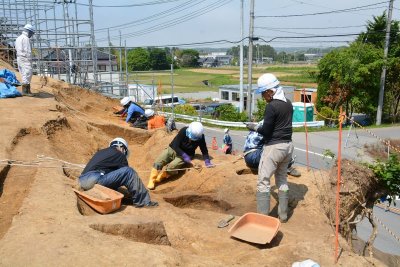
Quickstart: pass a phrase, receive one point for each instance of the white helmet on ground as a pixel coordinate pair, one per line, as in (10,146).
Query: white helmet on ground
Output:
(120,142)
(29,27)
(125,100)
(148,113)
(266,82)
(195,130)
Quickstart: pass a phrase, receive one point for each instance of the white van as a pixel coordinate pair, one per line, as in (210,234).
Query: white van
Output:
(164,101)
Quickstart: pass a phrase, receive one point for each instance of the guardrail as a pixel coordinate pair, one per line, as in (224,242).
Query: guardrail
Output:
(236,123)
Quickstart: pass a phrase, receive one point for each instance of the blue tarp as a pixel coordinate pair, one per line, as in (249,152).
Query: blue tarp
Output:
(7,89)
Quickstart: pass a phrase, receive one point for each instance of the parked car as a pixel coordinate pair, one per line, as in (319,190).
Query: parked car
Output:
(200,108)
(362,119)
(212,108)
(165,101)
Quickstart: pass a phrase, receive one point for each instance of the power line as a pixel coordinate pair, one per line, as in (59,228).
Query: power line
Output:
(306,37)
(310,28)
(133,5)
(174,22)
(156,16)
(326,12)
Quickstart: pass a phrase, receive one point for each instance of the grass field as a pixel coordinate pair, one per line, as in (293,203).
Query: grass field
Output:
(191,80)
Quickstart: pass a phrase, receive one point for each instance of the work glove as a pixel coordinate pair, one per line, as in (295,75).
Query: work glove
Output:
(186,158)
(208,163)
(252,126)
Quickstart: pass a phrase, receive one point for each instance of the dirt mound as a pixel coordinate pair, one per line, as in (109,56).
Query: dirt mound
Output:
(43,148)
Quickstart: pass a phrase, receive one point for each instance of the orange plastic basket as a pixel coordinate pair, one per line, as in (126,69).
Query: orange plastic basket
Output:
(255,228)
(102,199)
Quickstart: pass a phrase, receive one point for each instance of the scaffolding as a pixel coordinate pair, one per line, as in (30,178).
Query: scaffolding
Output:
(64,45)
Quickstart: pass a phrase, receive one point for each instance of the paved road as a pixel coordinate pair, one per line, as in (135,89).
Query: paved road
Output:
(353,149)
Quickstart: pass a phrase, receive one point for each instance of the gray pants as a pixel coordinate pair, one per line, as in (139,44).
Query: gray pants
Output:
(274,160)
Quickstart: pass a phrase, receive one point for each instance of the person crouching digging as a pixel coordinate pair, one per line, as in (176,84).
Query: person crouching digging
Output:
(109,167)
(180,152)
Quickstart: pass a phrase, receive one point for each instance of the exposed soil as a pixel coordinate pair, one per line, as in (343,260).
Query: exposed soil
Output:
(49,137)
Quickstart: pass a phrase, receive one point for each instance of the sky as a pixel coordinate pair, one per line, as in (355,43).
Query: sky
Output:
(175,22)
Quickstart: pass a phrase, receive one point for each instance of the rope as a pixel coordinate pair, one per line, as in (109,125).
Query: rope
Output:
(386,142)
(387,229)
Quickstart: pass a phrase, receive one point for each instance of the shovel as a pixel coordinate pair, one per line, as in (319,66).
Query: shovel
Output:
(225,222)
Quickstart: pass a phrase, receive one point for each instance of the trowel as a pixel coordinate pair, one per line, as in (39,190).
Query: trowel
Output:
(225,222)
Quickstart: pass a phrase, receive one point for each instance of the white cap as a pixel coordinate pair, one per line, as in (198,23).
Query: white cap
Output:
(125,100)
(196,130)
(226,130)
(118,142)
(148,113)
(266,82)
(29,27)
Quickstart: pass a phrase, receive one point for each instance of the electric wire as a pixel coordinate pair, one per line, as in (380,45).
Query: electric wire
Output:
(359,8)
(173,22)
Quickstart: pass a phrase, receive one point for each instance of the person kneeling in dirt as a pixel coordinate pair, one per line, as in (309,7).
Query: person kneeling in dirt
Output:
(109,167)
(253,149)
(154,121)
(180,152)
(133,111)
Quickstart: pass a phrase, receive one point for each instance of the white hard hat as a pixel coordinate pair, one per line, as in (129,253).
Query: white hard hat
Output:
(226,130)
(120,142)
(266,82)
(125,100)
(148,113)
(306,263)
(195,130)
(29,27)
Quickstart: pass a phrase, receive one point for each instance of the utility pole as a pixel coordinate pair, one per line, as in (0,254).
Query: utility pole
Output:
(93,44)
(172,80)
(241,57)
(250,61)
(383,74)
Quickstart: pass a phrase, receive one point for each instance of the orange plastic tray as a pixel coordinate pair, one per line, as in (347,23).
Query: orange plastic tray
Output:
(110,200)
(255,228)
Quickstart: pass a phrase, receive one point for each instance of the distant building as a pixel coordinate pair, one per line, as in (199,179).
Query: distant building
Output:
(312,57)
(309,97)
(231,94)
(215,59)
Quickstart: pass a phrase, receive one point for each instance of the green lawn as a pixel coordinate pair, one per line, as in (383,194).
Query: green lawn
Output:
(189,80)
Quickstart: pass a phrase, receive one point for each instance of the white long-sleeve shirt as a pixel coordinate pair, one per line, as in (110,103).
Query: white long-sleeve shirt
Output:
(23,46)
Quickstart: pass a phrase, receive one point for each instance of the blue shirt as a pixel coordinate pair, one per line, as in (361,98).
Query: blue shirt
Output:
(132,109)
(227,139)
(254,140)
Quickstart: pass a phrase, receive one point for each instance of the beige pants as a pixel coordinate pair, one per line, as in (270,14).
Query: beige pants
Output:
(274,160)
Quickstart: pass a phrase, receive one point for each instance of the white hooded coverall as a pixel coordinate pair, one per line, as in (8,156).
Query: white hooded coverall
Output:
(24,57)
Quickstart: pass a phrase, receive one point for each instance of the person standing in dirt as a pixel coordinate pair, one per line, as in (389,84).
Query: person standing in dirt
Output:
(253,149)
(24,58)
(180,152)
(109,167)
(278,147)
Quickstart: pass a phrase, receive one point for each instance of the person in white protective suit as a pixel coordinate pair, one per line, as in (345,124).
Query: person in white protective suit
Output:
(24,58)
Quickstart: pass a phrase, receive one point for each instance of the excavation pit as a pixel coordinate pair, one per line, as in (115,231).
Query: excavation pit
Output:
(150,233)
(198,202)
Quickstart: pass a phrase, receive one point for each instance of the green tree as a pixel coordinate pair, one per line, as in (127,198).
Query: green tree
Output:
(259,114)
(185,109)
(138,59)
(158,59)
(229,113)
(350,77)
(189,58)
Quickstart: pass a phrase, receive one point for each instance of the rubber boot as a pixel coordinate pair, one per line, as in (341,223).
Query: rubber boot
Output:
(263,199)
(163,175)
(152,179)
(283,205)
(26,90)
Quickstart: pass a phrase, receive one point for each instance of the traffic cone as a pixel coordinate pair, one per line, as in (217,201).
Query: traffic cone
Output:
(214,144)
